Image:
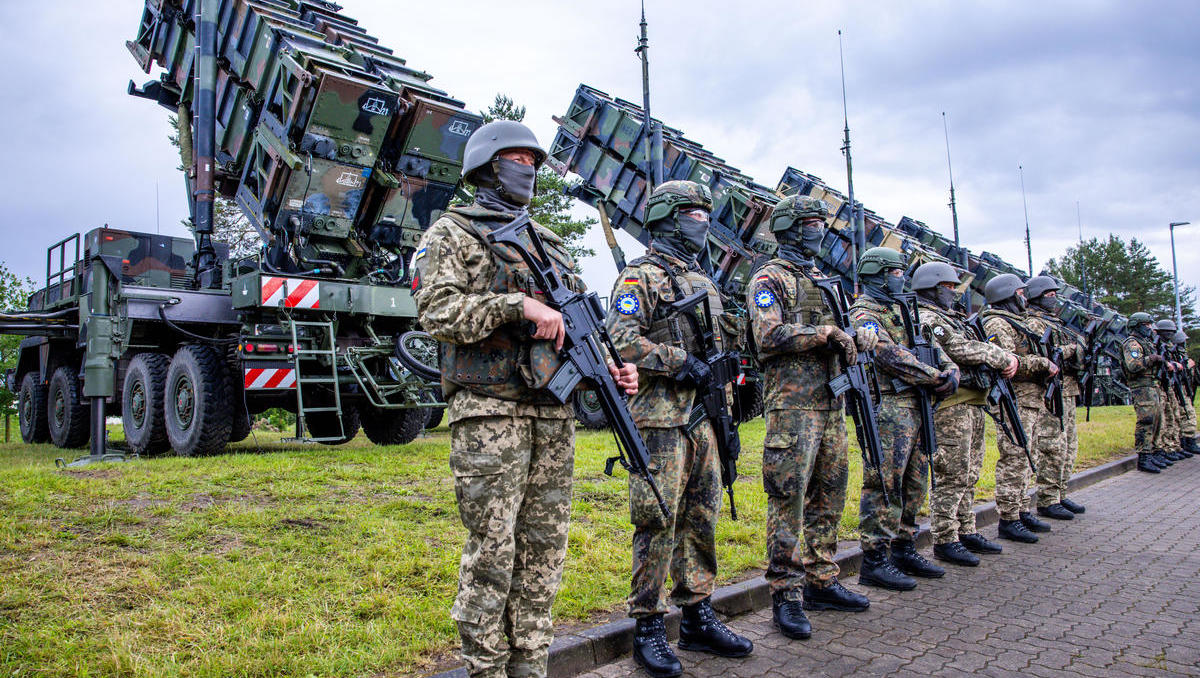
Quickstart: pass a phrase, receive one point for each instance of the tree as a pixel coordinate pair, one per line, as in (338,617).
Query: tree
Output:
(13,295)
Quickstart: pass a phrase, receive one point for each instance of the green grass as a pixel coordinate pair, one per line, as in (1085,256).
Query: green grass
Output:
(306,560)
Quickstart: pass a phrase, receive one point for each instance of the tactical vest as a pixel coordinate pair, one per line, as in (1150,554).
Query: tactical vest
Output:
(970,376)
(509,364)
(1145,378)
(671,328)
(811,309)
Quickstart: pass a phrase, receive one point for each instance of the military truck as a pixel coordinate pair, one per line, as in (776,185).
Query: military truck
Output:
(340,155)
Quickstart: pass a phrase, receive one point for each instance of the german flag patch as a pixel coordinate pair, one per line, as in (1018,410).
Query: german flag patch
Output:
(630,281)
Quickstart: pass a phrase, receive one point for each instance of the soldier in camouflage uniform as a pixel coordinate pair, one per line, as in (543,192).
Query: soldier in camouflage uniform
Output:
(1138,361)
(958,459)
(1054,471)
(805,449)
(663,344)
(1174,416)
(511,442)
(1006,322)
(1188,429)
(893,522)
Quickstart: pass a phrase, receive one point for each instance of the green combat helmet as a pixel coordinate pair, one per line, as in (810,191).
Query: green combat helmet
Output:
(879,259)
(1002,287)
(671,196)
(494,137)
(795,207)
(1140,318)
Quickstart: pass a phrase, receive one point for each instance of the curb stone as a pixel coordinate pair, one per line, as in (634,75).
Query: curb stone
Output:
(592,648)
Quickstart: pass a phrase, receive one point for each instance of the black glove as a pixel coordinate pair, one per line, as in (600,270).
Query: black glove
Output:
(695,372)
(947,383)
(1153,359)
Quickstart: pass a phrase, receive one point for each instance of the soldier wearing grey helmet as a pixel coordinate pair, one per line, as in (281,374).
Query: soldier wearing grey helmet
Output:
(1055,470)
(959,420)
(1139,360)
(665,347)
(805,449)
(1188,421)
(511,442)
(1170,439)
(892,523)
(1006,321)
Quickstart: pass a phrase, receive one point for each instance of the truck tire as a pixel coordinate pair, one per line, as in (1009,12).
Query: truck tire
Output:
(393,427)
(435,417)
(198,401)
(66,412)
(31,410)
(240,423)
(325,425)
(588,412)
(142,404)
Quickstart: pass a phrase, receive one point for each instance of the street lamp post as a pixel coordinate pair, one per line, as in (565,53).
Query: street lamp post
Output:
(1175,273)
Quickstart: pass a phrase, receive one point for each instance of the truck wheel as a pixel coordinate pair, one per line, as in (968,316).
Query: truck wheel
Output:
(142,404)
(435,417)
(393,427)
(198,398)
(240,423)
(588,411)
(325,425)
(31,410)
(67,414)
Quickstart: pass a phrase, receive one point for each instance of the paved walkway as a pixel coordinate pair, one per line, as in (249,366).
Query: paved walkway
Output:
(1116,592)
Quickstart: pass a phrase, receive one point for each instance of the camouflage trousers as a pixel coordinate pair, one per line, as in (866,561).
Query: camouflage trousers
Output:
(512,479)
(1187,421)
(1147,404)
(905,469)
(686,467)
(1055,469)
(804,475)
(957,462)
(1012,467)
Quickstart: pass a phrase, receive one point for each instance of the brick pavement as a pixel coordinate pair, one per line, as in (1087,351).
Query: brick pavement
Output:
(1113,593)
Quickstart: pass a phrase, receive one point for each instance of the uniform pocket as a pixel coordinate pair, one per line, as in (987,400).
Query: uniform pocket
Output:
(643,506)
(475,463)
(779,465)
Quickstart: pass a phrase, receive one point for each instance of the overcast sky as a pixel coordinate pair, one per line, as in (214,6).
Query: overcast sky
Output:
(1098,101)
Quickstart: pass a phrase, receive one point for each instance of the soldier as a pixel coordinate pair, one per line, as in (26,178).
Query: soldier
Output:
(1188,428)
(664,346)
(1170,444)
(805,449)
(1005,322)
(905,461)
(958,459)
(1138,360)
(511,443)
(1054,471)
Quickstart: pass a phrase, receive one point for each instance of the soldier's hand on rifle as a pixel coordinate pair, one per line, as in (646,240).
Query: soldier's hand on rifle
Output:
(947,383)
(838,340)
(1191,364)
(626,377)
(1153,359)
(1053,369)
(549,322)
(866,338)
(1010,371)
(695,372)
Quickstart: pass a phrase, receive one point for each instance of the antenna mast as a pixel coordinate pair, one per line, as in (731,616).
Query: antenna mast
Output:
(654,168)
(1028,243)
(1082,268)
(855,223)
(954,210)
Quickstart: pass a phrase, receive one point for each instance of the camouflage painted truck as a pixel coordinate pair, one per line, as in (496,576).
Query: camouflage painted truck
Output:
(340,156)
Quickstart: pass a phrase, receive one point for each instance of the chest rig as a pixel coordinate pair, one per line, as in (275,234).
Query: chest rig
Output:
(670,327)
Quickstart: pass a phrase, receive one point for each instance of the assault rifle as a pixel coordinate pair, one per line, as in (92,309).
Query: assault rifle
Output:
(858,382)
(1001,399)
(711,403)
(1171,381)
(1053,396)
(1091,360)
(927,353)
(583,349)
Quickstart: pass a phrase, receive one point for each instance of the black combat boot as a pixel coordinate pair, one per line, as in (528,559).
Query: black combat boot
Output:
(1056,511)
(977,543)
(1172,455)
(834,596)
(1183,451)
(1015,530)
(652,651)
(1160,458)
(701,631)
(1033,523)
(1191,445)
(955,553)
(789,617)
(1146,463)
(878,570)
(1072,506)
(906,558)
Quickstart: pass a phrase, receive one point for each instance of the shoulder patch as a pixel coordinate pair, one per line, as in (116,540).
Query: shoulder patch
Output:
(632,280)
(764,298)
(939,331)
(872,325)
(1135,354)
(627,303)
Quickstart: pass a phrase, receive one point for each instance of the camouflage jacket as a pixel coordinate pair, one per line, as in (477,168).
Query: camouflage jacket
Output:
(647,334)
(950,331)
(1133,360)
(892,354)
(470,296)
(1032,368)
(1071,343)
(786,309)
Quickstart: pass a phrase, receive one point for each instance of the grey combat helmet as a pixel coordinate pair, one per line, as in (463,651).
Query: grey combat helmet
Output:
(879,259)
(494,137)
(1180,337)
(1039,285)
(795,207)
(1002,287)
(931,274)
(1165,328)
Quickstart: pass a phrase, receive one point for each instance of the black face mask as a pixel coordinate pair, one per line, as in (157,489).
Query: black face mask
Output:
(883,286)
(516,180)
(810,239)
(790,251)
(1143,331)
(681,237)
(1048,304)
(895,284)
(945,297)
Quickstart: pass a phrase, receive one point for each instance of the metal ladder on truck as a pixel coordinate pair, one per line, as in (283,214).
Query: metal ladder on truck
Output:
(323,346)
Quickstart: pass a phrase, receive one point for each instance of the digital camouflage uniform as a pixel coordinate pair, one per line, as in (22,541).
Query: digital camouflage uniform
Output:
(1041,427)
(1055,470)
(905,462)
(1147,399)
(1169,429)
(805,449)
(958,459)
(684,464)
(511,445)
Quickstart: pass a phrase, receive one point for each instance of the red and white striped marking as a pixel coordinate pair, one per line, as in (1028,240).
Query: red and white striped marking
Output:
(259,378)
(291,292)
